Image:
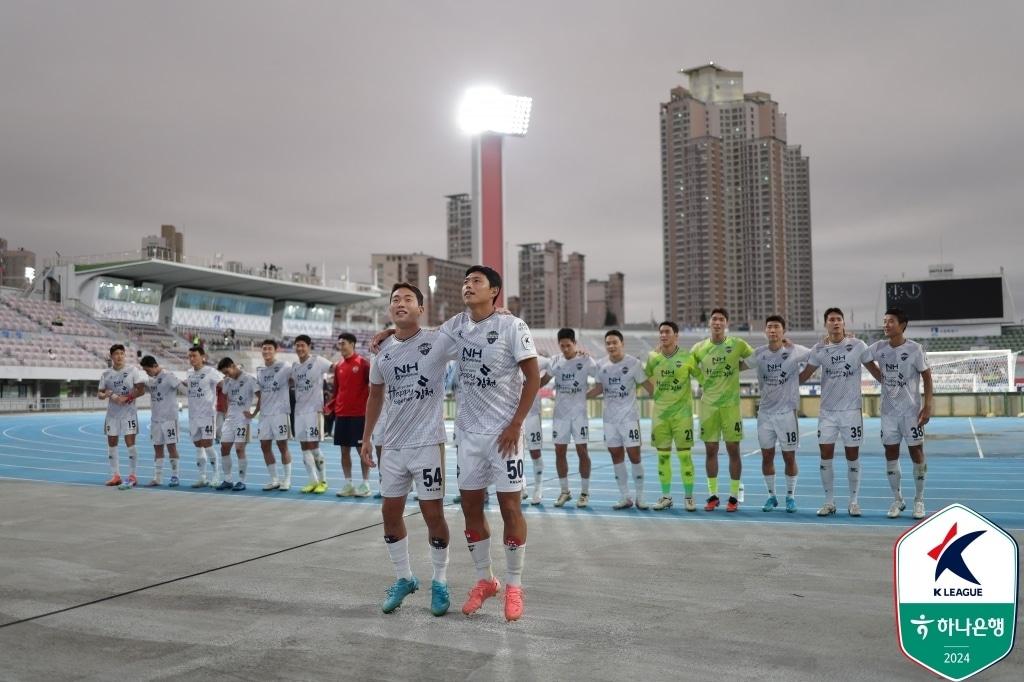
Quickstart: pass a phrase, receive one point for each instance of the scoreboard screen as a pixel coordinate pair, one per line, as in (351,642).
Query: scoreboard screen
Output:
(948,299)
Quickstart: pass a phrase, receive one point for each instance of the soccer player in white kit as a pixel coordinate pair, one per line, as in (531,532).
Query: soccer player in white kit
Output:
(495,353)
(241,389)
(275,410)
(202,381)
(777,365)
(569,372)
(618,377)
(120,385)
(533,431)
(163,423)
(903,367)
(408,373)
(308,378)
(841,416)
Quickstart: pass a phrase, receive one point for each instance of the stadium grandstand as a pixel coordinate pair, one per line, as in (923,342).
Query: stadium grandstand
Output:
(55,334)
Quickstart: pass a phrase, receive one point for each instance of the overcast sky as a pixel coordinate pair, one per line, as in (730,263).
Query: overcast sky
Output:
(298,131)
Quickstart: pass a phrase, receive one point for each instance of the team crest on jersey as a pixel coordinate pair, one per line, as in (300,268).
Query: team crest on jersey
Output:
(355,370)
(849,347)
(424,348)
(625,370)
(904,356)
(728,349)
(785,356)
(579,365)
(492,336)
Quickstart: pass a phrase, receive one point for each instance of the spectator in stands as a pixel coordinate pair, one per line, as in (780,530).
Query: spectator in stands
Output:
(351,389)
(53,356)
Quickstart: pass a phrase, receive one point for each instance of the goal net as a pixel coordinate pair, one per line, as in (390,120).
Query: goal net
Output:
(968,371)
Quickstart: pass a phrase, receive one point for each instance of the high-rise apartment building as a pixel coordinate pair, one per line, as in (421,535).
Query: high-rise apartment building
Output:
(439,280)
(541,284)
(735,203)
(574,293)
(460,228)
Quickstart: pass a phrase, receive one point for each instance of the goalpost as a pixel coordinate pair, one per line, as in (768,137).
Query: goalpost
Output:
(969,371)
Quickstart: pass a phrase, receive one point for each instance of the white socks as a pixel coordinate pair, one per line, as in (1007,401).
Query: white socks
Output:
(174,466)
(310,463)
(585,486)
(538,470)
(439,560)
(769,482)
(272,472)
(790,486)
(893,472)
(480,551)
(919,472)
(158,469)
(321,466)
(133,460)
(853,471)
(242,468)
(399,553)
(225,465)
(114,461)
(201,462)
(621,478)
(828,480)
(638,477)
(515,556)
(564,482)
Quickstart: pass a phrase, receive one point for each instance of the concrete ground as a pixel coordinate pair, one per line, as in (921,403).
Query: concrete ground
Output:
(606,599)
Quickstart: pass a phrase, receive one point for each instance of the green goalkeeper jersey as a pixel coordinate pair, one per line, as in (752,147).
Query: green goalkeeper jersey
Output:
(719,367)
(671,376)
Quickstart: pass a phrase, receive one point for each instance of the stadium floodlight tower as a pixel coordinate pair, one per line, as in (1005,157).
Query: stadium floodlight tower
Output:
(489,116)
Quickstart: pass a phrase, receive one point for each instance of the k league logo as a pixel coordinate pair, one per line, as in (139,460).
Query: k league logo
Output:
(956,579)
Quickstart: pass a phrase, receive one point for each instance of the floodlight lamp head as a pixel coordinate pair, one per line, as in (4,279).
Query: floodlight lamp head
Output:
(488,110)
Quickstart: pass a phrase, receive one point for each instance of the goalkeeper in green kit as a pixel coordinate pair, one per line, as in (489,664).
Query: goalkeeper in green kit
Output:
(719,360)
(671,368)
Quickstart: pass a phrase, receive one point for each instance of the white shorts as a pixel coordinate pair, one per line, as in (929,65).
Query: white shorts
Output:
(201,429)
(235,430)
(576,428)
(274,427)
(841,425)
(420,466)
(624,434)
(164,433)
(897,428)
(480,464)
(125,426)
(308,427)
(779,427)
(533,432)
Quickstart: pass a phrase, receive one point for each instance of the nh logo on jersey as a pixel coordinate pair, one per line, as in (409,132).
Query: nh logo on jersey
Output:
(890,367)
(407,369)
(836,359)
(957,582)
(472,354)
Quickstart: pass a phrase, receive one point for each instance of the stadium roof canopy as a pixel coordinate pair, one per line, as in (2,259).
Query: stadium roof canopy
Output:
(171,274)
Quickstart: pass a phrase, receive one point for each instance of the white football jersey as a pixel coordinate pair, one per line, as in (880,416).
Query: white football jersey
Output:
(840,365)
(901,375)
(273,382)
(570,380)
(163,396)
(308,378)
(121,382)
(489,352)
(202,392)
(412,372)
(778,375)
(619,381)
(240,393)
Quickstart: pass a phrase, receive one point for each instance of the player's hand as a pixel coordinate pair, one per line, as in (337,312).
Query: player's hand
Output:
(247,414)
(379,338)
(580,353)
(924,416)
(508,441)
(366,453)
(787,342)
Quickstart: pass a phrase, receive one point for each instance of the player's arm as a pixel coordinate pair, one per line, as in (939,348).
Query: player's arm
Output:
(595,390)
(808,371)
(873,370)
(374,404)
(509,438)
(259,402)
(926,409)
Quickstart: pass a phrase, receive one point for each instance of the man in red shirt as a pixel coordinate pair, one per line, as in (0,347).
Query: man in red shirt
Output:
(351,389)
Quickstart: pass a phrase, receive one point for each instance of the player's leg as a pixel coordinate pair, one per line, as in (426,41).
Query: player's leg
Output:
(158,465)
(243,465)
(430,486)
(286,455)
(133,454)
(581,434)
(507,475)
(892,437)
(828,434)
(172,455)
(310,464)
(267,448)
(363,489)
(787,430)
(682,434)
(792,472)
(732,425)
(475,474)
(636,466)
(395,482)
(661,437)
(561,433)
(534,436)
(711,434)
(766,439)
(915,443)
(201,444)
(618,454)
(227,442)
